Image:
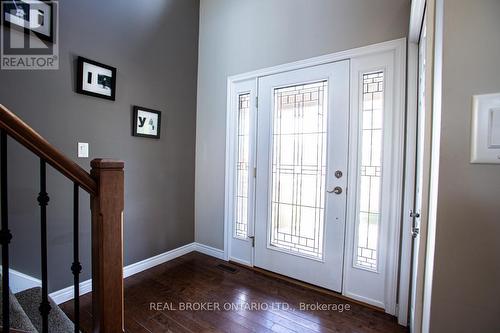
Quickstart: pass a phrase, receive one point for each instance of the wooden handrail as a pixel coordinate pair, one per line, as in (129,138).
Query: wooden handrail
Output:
(29,138)
(105,184)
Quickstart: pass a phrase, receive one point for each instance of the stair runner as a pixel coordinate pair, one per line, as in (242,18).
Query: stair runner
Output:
(25,316)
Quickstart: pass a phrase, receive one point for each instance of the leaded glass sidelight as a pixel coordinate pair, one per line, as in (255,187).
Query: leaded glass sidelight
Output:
(299,168)
(368,222)
(242,166)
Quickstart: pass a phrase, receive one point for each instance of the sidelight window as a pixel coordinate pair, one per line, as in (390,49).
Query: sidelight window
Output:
(368,222)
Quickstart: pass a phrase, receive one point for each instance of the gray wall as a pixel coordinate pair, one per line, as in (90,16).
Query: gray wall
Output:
(155,49)
(244,35)
(466,287)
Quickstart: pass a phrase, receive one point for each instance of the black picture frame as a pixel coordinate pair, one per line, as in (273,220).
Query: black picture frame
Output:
(79,83)
(50,4)
(135,123)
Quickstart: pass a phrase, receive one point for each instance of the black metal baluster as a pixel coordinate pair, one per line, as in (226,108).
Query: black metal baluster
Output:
(43,200)
(5,235)
(76,267)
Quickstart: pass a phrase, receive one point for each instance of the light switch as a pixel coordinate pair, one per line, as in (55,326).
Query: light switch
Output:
(83,149)
(494,128)
(485,145)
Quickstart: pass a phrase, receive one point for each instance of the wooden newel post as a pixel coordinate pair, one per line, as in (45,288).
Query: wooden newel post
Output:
(107,246)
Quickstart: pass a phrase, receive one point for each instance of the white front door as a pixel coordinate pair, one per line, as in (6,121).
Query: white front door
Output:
(302,150)
(314,172)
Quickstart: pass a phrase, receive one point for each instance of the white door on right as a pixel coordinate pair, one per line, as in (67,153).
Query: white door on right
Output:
(375,176)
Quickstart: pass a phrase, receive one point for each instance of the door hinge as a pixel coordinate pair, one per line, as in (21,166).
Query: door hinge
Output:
(254,172)
(257,102)
(253,240)
(415,226)
(414,214)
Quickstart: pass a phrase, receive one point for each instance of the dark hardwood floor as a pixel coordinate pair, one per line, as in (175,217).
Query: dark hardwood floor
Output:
(195,278)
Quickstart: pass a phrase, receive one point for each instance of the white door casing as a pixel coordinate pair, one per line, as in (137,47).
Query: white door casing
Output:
(422,184)
(392,57)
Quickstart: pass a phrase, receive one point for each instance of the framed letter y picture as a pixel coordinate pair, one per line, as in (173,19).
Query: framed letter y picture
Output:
(147,122)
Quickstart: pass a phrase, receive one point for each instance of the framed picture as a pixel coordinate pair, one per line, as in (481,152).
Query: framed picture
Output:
(30,16)
(146,122)
(96,79)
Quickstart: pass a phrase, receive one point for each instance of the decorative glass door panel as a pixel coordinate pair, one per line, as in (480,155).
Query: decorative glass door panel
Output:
(242,166)
(299,168)
(370,170)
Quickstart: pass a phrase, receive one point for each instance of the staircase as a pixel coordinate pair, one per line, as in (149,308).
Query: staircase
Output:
(25,315)
(32,310)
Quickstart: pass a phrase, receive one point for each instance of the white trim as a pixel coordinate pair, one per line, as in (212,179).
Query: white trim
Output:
(241,262)
(398,178)
(363,299)
(416,18)
(409,184)
(434,172)
(210,251)
(324,59)
(19,281)
(228,174)
(157,260)
(66,294)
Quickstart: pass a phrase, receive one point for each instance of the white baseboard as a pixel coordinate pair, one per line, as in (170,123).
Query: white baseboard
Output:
(19,281)
(157,260)
(210,251)
(67,294)
(22,281)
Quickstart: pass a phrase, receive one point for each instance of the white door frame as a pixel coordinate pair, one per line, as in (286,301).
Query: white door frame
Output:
(416,18)
(409,184)
(425,267)
(397,46)
(435,41)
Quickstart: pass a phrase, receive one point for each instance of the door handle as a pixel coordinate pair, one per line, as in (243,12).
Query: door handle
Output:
(336,190)
(252,239)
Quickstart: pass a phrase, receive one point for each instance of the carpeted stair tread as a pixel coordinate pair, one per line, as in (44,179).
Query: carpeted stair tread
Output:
(18,318)
(30,300)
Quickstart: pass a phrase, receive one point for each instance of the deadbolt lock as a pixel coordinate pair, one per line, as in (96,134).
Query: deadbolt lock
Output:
(338,174)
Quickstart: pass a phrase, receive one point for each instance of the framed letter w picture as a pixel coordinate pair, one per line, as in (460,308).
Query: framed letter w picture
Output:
(147,122)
